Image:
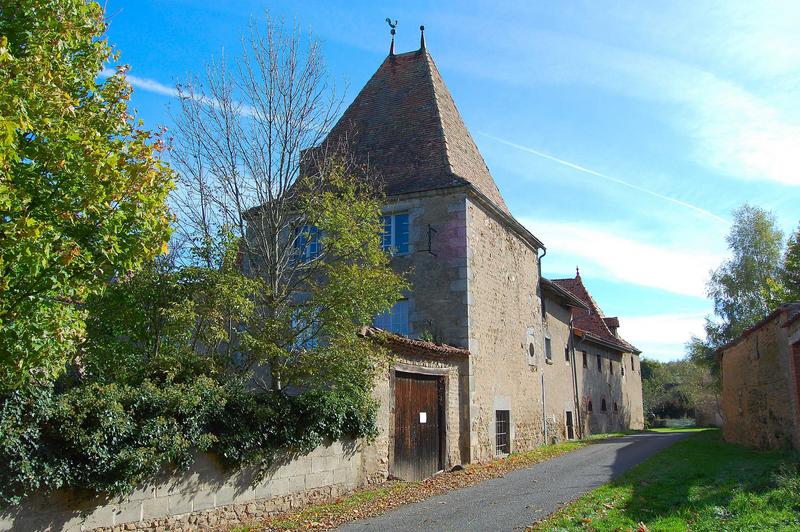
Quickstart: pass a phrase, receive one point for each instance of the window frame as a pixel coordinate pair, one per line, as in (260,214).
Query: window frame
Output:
(502,419)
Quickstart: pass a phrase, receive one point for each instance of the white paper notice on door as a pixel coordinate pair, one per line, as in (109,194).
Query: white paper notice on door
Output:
(423,417)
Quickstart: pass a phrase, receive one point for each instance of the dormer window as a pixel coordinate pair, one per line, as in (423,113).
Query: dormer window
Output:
(394,237)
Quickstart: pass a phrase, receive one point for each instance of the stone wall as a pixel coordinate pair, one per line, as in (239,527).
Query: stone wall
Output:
(504,318)
(558,380)
(222,496)
(436,264)
(759,387)
(622,388)
(610,384)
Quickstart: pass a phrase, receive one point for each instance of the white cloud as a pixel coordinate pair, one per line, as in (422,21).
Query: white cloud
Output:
(662,329)
(675,269)
(734,130)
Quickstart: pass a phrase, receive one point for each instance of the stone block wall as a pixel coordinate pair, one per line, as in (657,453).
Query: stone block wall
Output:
(759,389)
(624,389)
(595,385)
(222,495)
(504,317)
(558,380)
(435,265)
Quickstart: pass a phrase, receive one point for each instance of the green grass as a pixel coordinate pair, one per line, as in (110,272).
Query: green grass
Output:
(700,483)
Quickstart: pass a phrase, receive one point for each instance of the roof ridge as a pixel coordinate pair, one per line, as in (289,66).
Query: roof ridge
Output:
(438,109)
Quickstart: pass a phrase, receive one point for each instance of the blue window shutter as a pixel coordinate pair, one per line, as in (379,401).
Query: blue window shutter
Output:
(401,233)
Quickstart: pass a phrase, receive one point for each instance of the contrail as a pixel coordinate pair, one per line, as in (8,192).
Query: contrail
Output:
(151,85)
(607,177)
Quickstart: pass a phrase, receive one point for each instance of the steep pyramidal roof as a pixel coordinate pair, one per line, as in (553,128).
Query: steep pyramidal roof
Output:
(592,320)
(405,126)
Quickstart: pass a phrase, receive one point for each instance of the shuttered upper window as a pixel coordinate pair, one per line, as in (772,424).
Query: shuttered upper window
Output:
(395,319)
(394,237)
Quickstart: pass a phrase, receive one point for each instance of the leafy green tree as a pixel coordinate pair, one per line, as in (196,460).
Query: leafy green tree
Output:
(790,270)
(745,286)
(251,152)
(82,186)
(171,323)
(740,287)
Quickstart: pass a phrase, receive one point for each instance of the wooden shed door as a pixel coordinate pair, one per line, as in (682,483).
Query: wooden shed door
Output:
(419,427)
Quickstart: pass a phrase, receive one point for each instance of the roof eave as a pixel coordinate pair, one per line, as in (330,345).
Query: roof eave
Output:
(509,220)
(605,343)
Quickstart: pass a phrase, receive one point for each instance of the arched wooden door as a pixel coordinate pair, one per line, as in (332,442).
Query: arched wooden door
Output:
(419,433)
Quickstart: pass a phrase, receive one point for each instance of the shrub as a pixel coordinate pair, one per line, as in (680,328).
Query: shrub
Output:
(110,437)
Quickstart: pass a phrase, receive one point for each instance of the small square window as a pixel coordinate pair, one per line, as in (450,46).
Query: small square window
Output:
(502,432)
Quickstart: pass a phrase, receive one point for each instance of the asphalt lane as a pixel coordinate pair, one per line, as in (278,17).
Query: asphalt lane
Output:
(521,497)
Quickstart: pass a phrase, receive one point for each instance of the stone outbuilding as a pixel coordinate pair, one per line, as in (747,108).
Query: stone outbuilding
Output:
(761,382)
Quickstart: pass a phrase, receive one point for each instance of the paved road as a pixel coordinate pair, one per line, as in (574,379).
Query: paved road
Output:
(526,495)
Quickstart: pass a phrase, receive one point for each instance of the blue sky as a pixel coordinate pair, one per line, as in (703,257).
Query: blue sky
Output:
(620,133)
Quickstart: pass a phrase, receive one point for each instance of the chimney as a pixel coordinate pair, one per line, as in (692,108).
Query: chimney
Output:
(612,324)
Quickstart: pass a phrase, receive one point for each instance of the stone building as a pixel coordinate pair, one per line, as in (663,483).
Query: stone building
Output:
(475,271)
(490,358)
(607,373)
(761,382)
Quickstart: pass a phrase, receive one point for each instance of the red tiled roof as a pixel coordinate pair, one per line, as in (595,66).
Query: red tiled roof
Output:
(592,321)
(405,126)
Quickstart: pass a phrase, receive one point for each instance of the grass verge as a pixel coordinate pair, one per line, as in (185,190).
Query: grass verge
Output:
(700,483)
(376,500)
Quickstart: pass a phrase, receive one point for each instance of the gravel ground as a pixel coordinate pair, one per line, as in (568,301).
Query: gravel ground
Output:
(522,497)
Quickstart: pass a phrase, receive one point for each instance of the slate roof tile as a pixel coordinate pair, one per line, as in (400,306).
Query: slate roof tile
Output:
(405,126)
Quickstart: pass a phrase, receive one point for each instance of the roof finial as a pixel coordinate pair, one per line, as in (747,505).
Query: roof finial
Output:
(422,37)
(577,272)
(393,26)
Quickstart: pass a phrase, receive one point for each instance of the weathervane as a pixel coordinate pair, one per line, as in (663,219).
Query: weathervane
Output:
(393,26)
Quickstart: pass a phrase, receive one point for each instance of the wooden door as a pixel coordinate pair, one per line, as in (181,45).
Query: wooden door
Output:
(419,425)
